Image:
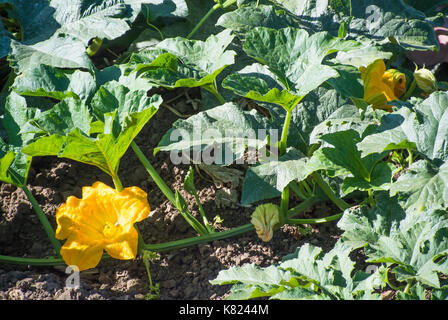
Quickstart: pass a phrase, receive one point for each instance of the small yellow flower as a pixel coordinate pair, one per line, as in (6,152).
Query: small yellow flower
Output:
(265,218)
(381,85)
(102,220)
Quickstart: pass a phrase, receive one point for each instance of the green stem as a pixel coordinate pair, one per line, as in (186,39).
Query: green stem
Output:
(153,173)
(32,261)
(284,138)
(371,200)
(341,204)
(284,202)
(184,243)
(411,157)
(204,217)
(204,18)
(167,191)
(44,221)
(308,203)
(298,190)
(408,286)
(211,88)
(117,183)
(208,14)
(410,91)
(317,220)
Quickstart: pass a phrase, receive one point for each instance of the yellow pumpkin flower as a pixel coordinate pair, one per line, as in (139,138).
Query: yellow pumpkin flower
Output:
(381,85)
(102,220)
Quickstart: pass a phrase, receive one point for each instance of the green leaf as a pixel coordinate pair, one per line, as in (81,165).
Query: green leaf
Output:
(124,113)
(424,128)
(416,242)
(85,20)
(294,59)
(45,81)
(198,64)
(64,117)
(423,186)
(226,129)
(257,282)
(345,158)
(14,164)
(267,179)
(363,56)
(243,19)
(373,19)
(61,51)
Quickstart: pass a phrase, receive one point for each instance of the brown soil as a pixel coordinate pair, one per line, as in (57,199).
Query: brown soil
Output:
(181,274)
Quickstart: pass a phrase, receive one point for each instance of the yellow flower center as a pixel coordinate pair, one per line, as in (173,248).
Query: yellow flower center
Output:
(110,230)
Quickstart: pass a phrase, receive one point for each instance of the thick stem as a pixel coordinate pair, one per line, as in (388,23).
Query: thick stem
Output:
(317,220)
(211,88)
(411,157)
(341,204)
(284,138)
(153,173)
(44,221)
(184,243)
(308,203)
(284,206)
(166,190)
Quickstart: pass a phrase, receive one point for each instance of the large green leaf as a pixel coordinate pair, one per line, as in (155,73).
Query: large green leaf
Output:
(226,129)
(14,165)
(244,19)
(73,135)
(373,19)
(344,158)
(46,81)
(416,242)
(178,62)
(425,128)
(268,179)
(61,51)
(423,186)
(294,59)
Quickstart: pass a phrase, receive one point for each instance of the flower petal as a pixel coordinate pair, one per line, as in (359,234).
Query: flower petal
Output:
(125,248)
(82,255)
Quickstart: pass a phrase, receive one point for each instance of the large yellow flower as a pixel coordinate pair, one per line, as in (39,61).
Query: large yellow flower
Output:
(381,85)
(102,220)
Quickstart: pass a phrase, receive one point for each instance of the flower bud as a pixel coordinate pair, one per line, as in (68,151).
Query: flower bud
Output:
(264,219)
(425,80)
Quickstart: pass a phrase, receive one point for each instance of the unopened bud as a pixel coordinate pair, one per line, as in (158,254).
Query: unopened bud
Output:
(425,80)
(264,219)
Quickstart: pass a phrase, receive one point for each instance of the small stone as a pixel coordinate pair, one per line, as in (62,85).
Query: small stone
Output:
(139,296)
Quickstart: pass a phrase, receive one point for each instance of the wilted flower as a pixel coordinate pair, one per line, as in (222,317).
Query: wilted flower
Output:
(381,85)
(102,220)
(264,219)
